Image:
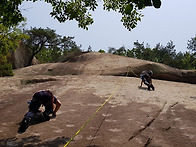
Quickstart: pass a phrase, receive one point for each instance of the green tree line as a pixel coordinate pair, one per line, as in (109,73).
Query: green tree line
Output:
(10,38)
(79,10)
(161,54)
(50,46)
(47,46)
(44,44)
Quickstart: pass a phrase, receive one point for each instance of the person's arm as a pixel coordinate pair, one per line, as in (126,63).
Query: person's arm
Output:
(151,81)
(141,83)
(58,105)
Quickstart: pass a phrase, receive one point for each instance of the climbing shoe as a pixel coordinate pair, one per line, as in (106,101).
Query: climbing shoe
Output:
(152,87)
(23,125)
(46,116)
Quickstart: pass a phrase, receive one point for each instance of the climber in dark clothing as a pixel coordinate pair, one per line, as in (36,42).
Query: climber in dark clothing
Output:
(45,98)
(146,77)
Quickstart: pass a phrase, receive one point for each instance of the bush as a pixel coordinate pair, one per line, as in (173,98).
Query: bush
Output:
(101,51)
(6,70)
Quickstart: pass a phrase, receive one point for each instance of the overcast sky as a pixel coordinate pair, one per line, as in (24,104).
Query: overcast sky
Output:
(175,21)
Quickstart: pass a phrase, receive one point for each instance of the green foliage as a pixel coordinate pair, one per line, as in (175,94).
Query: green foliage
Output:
(89,49)
(46,56)
(79,10)
(101,51)
(39,40)
(10,13)
(130,10)
(6,70)
(121,51)
(156,3)
(10,38)
(69,49)
(48,46)
(192,44)
(130,53)
(111,50)
(161,54)
(74,9)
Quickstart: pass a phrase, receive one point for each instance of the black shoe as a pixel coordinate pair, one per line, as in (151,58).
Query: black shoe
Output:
(47,117)
(152,87)
(23,126)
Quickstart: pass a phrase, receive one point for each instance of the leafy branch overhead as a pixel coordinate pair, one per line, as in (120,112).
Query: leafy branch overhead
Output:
(79,10)
(130,9)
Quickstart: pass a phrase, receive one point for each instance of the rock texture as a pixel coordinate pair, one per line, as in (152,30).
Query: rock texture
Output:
(108,64)
(131,117)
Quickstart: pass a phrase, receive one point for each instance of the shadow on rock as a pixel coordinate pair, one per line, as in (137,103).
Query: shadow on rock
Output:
(38,118)
(143,88)
(34,141)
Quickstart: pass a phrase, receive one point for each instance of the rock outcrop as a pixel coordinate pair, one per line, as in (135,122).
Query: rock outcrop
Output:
(108,64)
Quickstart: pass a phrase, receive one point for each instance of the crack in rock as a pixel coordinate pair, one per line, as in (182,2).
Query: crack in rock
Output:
(99,127)
(148,124)
(148,141)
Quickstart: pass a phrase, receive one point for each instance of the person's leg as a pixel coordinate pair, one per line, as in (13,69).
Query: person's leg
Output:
(148,83)
(47,112)
(152,87)
(25,123)
(33,109)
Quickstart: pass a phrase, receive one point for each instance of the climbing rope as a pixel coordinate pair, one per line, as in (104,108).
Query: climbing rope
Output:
(129,69)
(120,83)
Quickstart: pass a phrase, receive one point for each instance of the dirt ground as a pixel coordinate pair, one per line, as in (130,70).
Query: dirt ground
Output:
(132,117)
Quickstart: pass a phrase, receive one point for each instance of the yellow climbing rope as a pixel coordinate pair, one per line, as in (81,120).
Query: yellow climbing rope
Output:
(129,68)
(98,108)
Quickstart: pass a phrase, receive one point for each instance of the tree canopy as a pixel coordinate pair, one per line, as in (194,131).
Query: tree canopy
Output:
(48,46)
(9,41)
(80,10)
(10,13)
(191,45)
(161,54)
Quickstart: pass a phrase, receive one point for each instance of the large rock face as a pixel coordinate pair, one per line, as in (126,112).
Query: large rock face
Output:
(108,64)
(111,110)
(20,57)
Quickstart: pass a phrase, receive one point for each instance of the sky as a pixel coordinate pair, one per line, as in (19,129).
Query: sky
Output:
(174,21)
